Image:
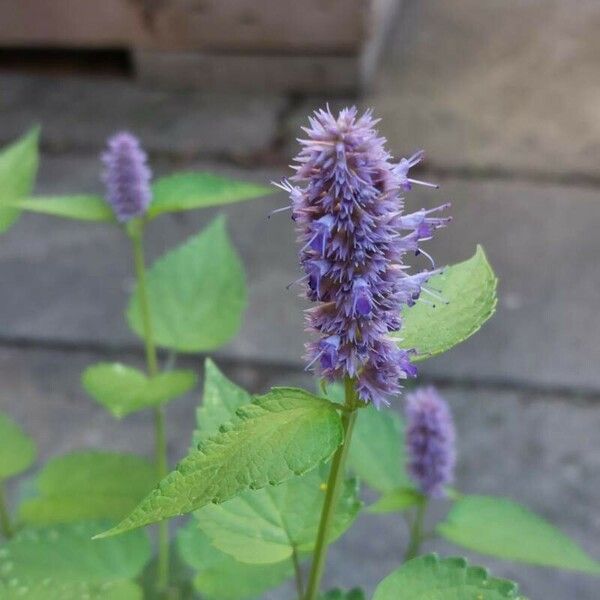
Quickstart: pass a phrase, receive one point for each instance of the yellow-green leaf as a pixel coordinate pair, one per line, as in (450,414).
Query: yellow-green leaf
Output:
(123,390)
(18,170)
(188,191)
(284,433)
(468,290)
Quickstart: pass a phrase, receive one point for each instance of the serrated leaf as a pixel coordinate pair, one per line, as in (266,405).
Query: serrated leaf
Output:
(469,293)
(18,170)
(88,485)
(396,501)
(66,554)
(221,577)
(377,452)
(284,433)
(220,399)
(266,526)
(191,190)
(50,589)
(17,450)
(506,529)
(337,594)
(80,207)
(432,578)
(123,390)
(197,293)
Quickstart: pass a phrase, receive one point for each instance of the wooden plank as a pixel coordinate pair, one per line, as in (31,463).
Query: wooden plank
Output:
(239,25)
(70,23)
(288,73)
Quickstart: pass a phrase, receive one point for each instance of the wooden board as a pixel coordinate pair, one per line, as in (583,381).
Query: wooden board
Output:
(216,25)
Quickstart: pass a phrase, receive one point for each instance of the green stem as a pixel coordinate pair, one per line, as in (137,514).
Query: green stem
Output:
(298,574)
(334,485)
(5,525)
(416,531)
(136,234)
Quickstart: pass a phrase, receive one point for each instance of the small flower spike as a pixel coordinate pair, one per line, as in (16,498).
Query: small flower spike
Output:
(126,176)
(430,441)
(353,234)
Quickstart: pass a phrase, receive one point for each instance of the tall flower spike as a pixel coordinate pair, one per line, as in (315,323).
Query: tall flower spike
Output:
(353,236)
(430,441)
(126,176)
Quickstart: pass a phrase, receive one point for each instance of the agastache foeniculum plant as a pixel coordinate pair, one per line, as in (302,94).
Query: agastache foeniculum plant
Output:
(354,236)
(271,480)
(127,177)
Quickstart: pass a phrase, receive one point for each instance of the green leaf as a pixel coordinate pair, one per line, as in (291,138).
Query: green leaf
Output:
(396,501)
(505,529)
(469,291)
(221,577)
(50,589)
(377,453)
(123,390)
(66,554)
(17,450)
(220,399)
(284,433)
(18,170)
(337,594)
(197,293)
(431,578)
(187,191)
(88,485)
(266,526)
(81,207)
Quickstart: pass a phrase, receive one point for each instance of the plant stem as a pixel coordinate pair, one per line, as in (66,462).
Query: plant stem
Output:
(334,484)
(298,574)
(136,235)
(416,531)
(5,525)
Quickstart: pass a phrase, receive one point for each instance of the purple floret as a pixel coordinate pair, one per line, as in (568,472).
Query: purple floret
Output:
(126,176)
(353,236)
(430,441)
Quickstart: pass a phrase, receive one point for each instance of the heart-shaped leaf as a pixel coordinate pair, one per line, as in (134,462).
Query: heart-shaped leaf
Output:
(284,433)
(269,525)
(221,577)
(51,589)
(18,170)
(65,555)
(429,578)
(88,485)
(197,293)
(377,452)
(17,450)
(188,191)
(503,528)
(123,390)
(468,290)
(220,399)
(396,501)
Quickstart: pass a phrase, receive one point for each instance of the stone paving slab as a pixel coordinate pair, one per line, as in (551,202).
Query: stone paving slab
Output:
(67,282)
(79,113)
(542,453)
(492,87)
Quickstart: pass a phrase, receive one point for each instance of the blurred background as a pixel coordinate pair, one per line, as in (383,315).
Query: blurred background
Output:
(504,96)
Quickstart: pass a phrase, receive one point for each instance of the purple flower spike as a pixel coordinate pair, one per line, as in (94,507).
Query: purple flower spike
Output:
(353,236)
(430,441)
(127,177)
